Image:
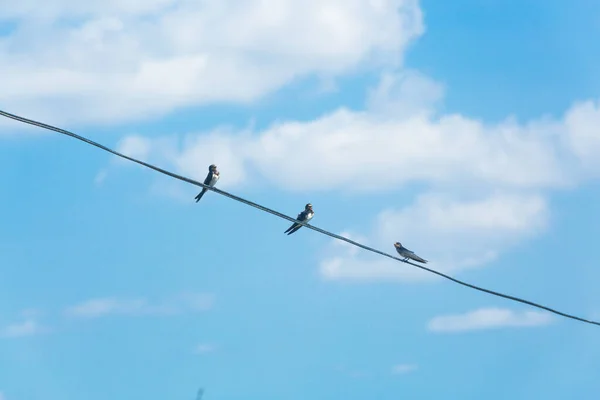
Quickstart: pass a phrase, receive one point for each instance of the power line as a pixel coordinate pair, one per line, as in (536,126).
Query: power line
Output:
(280,215)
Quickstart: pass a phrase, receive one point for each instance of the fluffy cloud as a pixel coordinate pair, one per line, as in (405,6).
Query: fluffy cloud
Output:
(382,150)
(453,233)
(485,185)
(118,60)
(404,93)
(488,318)
(135,146)
(100,307)
(583,136)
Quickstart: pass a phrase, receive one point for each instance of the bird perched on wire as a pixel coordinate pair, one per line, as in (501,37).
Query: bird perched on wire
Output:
(304,216)
(211,180)
(406,253)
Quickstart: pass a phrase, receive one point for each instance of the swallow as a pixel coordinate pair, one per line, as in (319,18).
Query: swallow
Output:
(211,180)
(406,253)
(304,216)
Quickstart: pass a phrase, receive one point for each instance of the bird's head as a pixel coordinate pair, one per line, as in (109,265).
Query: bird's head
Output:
(397,245)
(308,207)
(212,168)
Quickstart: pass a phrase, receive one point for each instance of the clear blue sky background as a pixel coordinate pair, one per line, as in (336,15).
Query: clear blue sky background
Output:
(275,328)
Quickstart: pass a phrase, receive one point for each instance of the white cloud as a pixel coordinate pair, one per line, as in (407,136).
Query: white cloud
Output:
(109,61)
(485,185)
(402,369)
(191,155)
(348,267)
(103,306)
(583,134)
(395,142)
(134,146)
(405,93)
(452,233)
(99,307)
(355,151)
(29,327)
(350,249)
(488,318)
(461,229)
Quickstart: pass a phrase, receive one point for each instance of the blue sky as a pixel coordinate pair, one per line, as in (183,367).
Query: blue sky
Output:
(467,131)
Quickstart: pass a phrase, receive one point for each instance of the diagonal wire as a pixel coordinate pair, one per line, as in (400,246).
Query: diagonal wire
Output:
(280,215)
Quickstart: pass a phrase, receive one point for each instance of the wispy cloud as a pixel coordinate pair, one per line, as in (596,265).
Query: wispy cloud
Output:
(351,372)
(204,348)
(100,177)
(401,369)
(102,306)
(29,327)
(185,302)
(488,318)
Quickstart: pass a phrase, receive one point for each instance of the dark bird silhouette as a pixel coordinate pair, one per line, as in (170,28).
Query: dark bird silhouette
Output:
(406,253)
(211,180)
(304,216)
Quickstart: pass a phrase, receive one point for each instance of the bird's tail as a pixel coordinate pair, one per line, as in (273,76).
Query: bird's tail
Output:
(294,229)
(199,196)
(291,228)
(417,258)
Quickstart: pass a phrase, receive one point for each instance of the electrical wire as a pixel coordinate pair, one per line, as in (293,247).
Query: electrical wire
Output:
(280,215)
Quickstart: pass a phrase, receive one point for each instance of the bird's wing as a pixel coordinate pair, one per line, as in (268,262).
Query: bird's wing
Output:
(208,178)
(405,252)
(404,249)
(291,227)
(416,257)
(299,218)
(294,229)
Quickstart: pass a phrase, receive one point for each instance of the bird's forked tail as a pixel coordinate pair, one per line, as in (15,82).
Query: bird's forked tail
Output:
(199,195)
